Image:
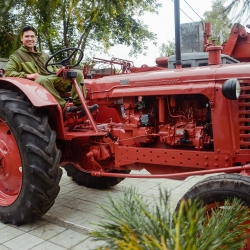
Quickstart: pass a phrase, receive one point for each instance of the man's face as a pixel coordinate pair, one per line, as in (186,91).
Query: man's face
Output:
(28,39)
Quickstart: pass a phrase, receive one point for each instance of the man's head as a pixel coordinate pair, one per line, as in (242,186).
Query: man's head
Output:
(28,37)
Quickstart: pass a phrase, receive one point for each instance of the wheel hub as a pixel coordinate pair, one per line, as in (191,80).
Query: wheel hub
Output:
(10,166)
(5,160)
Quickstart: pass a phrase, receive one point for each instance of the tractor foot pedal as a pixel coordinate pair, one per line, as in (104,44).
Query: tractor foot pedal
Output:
(68,110)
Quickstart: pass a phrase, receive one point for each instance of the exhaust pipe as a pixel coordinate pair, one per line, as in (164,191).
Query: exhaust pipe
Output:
(177,34)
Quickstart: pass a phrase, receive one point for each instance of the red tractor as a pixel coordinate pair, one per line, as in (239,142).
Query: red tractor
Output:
(163,121)
(173,122)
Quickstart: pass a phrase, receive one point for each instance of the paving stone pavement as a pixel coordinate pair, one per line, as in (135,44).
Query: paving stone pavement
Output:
(68,223)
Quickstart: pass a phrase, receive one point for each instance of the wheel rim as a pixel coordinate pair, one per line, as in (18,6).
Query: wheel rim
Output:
(10,166)
(212,206)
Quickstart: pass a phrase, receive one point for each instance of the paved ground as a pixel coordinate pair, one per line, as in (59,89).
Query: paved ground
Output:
(75,213)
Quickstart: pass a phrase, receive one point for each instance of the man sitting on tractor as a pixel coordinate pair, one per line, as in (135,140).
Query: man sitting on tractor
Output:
(27,62)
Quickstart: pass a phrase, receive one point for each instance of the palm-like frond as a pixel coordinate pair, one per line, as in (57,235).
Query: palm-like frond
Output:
(132,223)
(239,9)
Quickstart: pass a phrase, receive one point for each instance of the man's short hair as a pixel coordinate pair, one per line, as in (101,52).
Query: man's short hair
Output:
(27,28)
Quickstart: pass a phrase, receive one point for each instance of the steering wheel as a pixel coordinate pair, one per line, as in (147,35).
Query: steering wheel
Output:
(66,61)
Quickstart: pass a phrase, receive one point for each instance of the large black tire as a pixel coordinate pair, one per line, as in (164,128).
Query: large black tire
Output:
(218,188)
(37,182)
(87,180)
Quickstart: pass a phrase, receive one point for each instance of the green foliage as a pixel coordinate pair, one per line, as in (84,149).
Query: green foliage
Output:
(221,25)
(5,6)
(131,223)
(167,49)
(7,37)
(92,24)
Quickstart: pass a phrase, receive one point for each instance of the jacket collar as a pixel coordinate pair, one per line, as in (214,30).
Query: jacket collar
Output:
(25,49)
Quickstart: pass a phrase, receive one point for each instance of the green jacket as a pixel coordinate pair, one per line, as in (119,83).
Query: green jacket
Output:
(23,62)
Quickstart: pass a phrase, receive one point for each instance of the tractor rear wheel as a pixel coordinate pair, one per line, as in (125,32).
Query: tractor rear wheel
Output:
(87,180)
(214,190)
(29,160)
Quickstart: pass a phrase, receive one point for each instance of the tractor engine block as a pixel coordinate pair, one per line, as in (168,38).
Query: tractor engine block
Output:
(185,135)
(176,120)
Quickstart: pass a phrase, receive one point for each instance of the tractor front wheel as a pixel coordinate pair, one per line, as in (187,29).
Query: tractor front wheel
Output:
(29,160)
(87,180)
(218,188)
(214,190)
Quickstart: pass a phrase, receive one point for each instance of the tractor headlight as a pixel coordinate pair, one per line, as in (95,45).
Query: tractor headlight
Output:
(231,89)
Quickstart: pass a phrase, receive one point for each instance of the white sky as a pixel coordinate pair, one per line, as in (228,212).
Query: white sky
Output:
(163,25)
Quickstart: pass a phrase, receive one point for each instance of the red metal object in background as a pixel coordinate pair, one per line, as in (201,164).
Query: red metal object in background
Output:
(207,33)
(98,67)
(237,45)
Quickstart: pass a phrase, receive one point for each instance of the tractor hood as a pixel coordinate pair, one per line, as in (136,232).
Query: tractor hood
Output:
(158,82)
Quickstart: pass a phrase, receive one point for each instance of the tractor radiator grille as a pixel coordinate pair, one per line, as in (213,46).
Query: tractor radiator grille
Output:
(244,116)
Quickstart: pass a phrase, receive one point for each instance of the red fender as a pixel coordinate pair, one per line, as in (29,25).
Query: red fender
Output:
(38,95)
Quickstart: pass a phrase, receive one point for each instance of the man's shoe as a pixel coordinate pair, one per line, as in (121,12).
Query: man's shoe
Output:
(68,110)
(91,109)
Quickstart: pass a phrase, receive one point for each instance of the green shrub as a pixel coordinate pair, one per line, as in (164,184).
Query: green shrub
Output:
(132,223)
